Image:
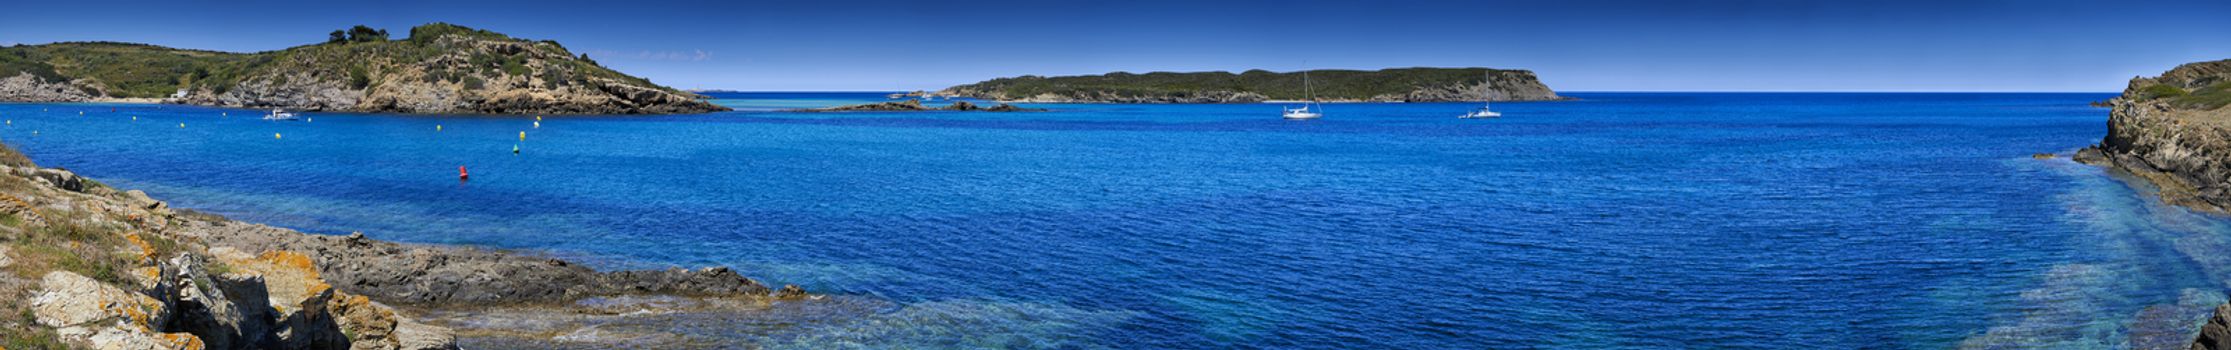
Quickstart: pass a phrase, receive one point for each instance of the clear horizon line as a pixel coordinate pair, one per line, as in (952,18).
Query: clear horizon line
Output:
(1602,91)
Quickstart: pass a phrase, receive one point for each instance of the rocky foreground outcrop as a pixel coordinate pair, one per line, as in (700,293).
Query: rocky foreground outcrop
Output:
(94,267)
(1390,85)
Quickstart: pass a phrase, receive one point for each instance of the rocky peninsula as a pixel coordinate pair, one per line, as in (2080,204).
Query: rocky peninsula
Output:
(439,68)
(1389,85)
(91,266)
(2174,131)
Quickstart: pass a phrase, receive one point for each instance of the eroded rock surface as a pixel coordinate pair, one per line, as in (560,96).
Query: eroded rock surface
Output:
(2181,147)
(24,87)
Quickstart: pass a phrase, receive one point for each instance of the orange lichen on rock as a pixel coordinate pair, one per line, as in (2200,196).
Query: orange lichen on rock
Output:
(291,260)
(146,251)
(183,341)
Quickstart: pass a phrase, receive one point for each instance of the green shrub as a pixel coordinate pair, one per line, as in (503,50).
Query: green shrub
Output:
(2207,98)
(358,79)
(2158,91)
(31,338)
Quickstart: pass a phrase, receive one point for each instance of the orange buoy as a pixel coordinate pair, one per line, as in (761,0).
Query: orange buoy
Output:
(461,174)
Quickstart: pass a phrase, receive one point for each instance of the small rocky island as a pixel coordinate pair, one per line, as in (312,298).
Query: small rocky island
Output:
(439,68)
(916,106)
(1389,85)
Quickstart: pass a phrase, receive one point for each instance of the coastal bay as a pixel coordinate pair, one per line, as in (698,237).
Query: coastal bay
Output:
(1123,225)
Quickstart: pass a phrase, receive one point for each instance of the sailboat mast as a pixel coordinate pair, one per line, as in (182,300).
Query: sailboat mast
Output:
(1306,90)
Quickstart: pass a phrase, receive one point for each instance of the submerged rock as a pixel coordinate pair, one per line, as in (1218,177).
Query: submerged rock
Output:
(425,275)
(2216,334)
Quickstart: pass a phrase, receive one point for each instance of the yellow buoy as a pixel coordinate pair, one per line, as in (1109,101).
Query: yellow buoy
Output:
(274,135)
(181,125)
(538,118)
(522,136)
(437,127)
(538,124)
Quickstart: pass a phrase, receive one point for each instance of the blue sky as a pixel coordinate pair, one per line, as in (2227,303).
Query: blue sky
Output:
(1585,45)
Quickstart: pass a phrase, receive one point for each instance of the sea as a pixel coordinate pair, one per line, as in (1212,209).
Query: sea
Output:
(1617,220)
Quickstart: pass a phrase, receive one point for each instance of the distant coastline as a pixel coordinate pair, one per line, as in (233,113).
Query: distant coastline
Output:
(1254,86)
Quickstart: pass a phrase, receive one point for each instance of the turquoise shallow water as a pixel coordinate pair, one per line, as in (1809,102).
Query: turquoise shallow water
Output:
(1622,220)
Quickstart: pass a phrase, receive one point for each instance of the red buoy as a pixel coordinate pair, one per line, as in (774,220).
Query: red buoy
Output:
(461,174)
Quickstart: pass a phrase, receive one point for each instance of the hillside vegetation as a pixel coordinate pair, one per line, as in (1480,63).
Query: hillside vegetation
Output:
(438,68)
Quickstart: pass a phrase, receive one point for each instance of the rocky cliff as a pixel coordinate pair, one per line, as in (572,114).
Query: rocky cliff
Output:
(2174,131)
(88,266)
(25,87)
(440,68)
(1391,85)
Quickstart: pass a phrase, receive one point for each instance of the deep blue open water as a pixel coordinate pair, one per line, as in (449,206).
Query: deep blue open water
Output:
(1635,220)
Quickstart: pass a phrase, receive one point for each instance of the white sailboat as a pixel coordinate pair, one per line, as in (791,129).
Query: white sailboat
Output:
(1305,111)
(1483,112)
(279,114)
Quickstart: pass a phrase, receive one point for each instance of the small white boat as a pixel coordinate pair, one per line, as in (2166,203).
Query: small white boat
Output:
(1306,111)
(1483,112)
(279,114)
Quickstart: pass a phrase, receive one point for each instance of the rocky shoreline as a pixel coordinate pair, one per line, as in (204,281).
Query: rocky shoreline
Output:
(2174,131)
(2156,132)
(97,267)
